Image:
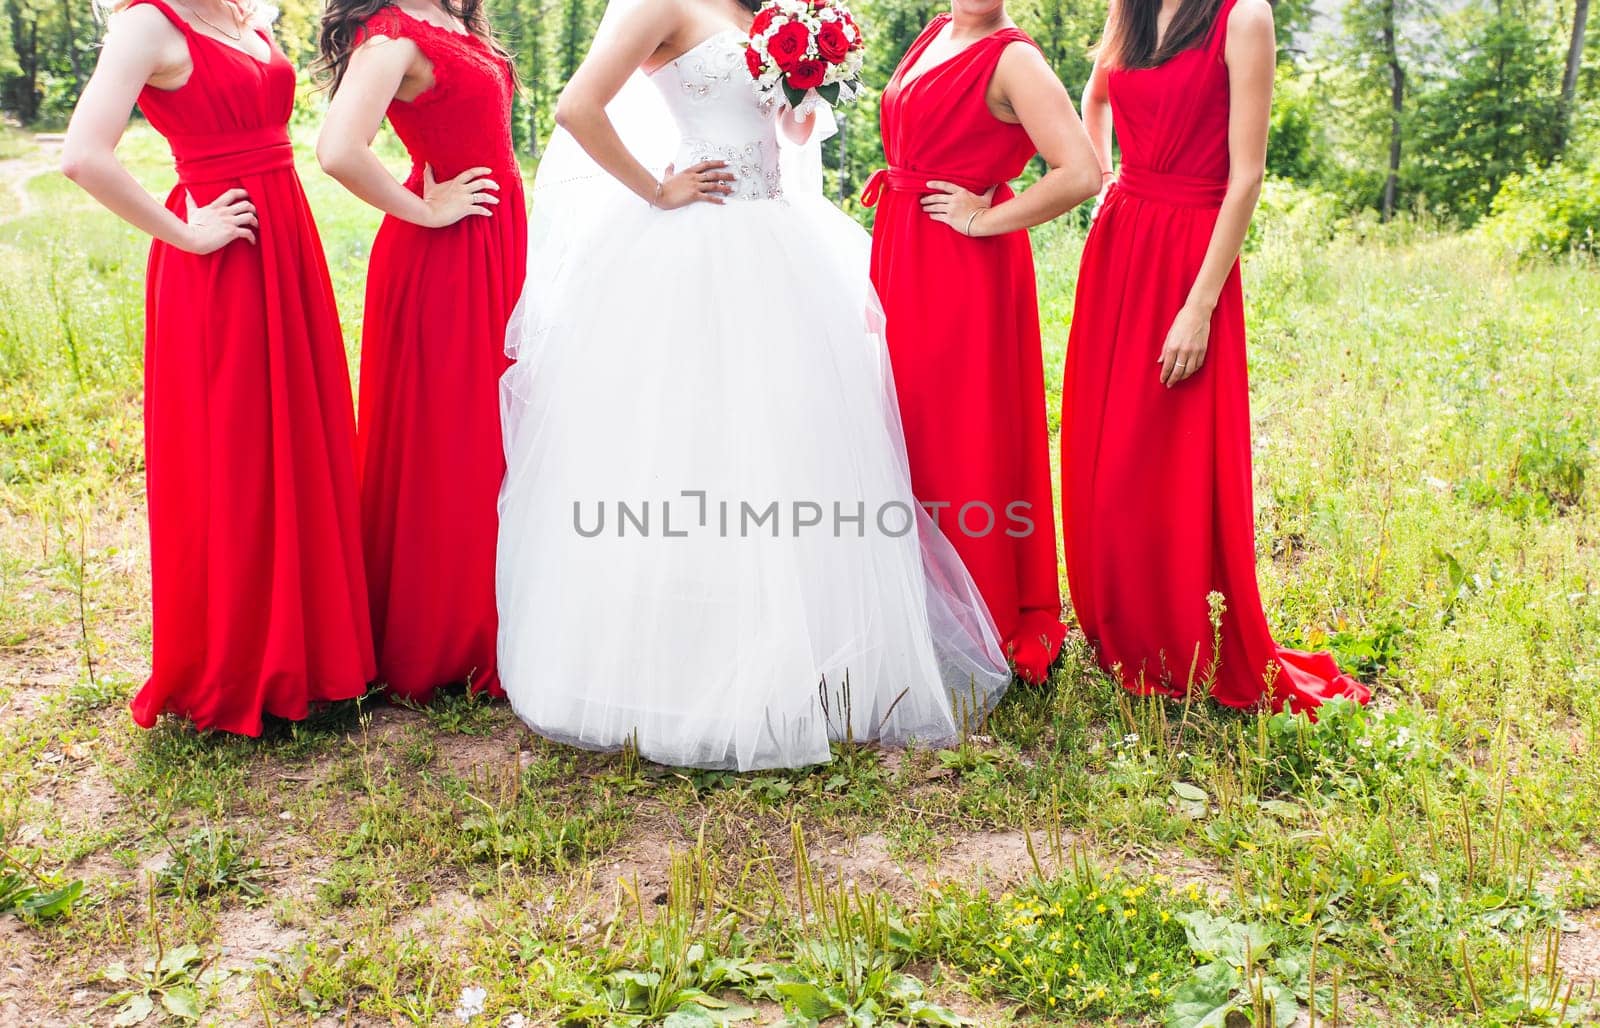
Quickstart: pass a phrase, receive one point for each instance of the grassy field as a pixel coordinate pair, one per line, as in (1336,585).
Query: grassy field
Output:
(1429,507)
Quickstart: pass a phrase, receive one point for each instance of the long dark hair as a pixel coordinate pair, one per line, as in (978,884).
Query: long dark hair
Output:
(342,21)
(1130,39)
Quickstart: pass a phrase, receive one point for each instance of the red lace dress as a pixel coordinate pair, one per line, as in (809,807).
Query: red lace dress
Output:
(1156,483)
(963,335)
(432,352)
(255,558)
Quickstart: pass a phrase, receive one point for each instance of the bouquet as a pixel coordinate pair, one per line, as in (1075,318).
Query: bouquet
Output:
(805,52)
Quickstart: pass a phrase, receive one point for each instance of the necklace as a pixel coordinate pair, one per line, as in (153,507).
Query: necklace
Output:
(236,36)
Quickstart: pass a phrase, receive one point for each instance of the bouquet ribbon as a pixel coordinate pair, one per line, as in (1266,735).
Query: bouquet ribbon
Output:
(912,181)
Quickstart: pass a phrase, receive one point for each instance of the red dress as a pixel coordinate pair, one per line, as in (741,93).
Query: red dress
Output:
(963,337)
(432,351)
(255,554)
(1156,483)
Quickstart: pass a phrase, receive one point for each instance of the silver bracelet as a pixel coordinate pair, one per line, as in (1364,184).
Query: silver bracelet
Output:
(655,201)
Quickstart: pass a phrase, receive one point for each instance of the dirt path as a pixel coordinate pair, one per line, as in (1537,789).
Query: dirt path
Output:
(18,172)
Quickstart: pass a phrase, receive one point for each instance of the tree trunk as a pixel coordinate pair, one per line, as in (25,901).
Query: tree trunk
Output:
(1397,98)
(1569,80)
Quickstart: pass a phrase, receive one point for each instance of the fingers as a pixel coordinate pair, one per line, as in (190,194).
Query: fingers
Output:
(479,209)
(945,187)
(703,166)
(1180,363)
(245,234)
(231,198)
(427,175)
(1168,361)
(466,177)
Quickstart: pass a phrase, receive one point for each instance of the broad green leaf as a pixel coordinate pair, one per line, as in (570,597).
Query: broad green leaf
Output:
(830,93)
(1192,793)
(809,1000)
(901,989)
(1284,1006)
(182,1002)
(1206,998)
(176,961)
(923,1012)
(1216,937)
(691,1015)
(134,1011)
(47,905)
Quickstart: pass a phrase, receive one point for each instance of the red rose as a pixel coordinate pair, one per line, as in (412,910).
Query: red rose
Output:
(832,43)
(807,74)
(752,60)
(763,21)
(788,45)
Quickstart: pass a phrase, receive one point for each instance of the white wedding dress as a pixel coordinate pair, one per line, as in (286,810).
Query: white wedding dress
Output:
(708,542)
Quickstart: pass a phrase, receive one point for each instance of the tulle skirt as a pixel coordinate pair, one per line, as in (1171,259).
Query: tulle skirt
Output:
(708,542)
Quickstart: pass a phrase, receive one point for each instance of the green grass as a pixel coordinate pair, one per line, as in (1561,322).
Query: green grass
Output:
(1426,420)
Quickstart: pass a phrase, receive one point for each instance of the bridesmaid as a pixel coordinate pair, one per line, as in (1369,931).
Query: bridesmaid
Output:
(445,272)
(970,104)
(1156,477)
(258,594)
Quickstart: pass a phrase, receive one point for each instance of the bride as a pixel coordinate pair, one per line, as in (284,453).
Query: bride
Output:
(708,546)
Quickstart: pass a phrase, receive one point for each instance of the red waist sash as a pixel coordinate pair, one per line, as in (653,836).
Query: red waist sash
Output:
(227,155)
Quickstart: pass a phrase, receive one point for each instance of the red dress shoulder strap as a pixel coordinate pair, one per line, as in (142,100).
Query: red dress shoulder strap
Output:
(167,9)
(385,21)
(1218,38)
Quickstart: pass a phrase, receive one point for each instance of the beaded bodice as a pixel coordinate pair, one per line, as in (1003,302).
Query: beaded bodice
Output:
(713,100)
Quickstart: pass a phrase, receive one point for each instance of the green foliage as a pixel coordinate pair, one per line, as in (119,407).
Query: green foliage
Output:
(1493,116)
(1547,212)
(23,894)
(177,981)
(211,862)
(1087,945)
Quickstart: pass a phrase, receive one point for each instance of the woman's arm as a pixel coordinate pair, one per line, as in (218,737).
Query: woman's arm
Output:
(1025,88)
(581,110)
(142,47)
(379,69)
(1097,122)
(1252,54)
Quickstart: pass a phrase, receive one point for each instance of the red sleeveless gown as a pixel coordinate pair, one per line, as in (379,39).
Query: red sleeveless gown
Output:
(1156,483)
(255,555)
(432,351)
(963,337)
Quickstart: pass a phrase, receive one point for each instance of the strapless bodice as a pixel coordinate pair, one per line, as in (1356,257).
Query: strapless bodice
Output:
(719,116)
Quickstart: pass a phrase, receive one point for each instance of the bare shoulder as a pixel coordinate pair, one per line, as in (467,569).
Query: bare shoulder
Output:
(1250,17)
(1023,59)
(140,42)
